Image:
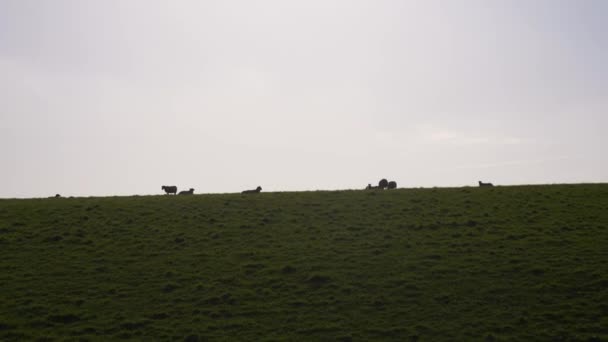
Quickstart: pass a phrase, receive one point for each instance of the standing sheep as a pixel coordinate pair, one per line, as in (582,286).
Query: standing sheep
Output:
(392,185)
(169,189)
(383,184)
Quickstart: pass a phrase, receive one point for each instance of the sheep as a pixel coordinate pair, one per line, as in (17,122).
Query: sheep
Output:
(257,190)
(169,189)
(370,187)
(383,184)
(485,184)
(189,192)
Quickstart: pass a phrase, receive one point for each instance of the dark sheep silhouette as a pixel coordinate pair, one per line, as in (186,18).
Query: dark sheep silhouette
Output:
(169,189)
(485,184)
(383,184)
(257,190)
(57,195)
(189,192)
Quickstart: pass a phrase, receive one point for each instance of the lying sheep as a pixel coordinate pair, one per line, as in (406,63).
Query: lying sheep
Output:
(383,184)
(169,189)
(257,190)
(189,192)
(485,184)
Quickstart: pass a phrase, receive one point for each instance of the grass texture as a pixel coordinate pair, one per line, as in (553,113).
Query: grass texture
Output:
(457,264)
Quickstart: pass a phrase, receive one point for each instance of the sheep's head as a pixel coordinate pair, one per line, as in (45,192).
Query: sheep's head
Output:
(259,188)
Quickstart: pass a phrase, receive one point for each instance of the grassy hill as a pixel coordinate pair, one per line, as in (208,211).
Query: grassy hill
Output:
(468,264)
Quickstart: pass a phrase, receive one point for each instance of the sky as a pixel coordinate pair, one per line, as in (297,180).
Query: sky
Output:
(115,97)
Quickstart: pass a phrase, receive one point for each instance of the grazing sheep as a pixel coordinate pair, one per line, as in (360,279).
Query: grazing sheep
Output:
(383,184)
(392,185)
(189,192)
(169,189)
(485,184)
(257,190)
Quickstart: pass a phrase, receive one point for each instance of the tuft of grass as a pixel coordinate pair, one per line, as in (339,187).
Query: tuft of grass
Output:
(493,264)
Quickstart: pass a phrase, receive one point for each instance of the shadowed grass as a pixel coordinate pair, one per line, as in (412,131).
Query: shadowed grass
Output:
(503,263)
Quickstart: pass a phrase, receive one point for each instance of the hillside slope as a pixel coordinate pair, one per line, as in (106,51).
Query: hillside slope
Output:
(523,263)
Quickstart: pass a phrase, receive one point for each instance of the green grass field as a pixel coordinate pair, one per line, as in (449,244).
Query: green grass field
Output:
(464,264)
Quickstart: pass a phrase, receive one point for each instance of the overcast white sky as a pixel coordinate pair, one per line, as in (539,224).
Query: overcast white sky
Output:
(118,97)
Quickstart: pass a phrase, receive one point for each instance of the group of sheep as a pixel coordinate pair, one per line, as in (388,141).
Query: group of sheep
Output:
(383,184)
(172,189)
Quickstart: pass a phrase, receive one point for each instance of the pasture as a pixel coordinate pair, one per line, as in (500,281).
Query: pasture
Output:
(465,264)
